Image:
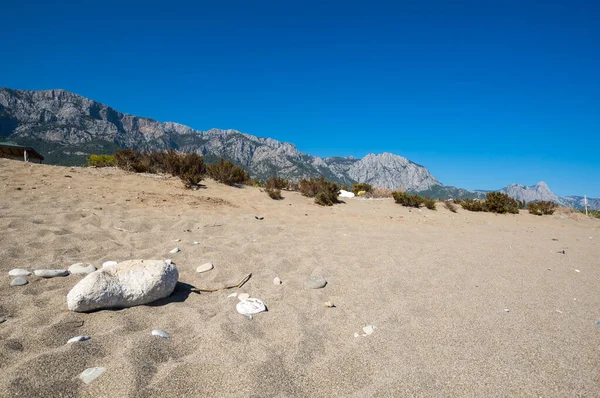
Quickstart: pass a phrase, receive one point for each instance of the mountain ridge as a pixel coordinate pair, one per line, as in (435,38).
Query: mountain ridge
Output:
(67,127)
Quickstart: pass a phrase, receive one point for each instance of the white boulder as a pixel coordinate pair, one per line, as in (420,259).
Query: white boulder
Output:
(127,284)
(346,194)
(82,269)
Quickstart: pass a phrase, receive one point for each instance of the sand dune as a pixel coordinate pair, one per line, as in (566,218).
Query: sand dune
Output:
(435,284)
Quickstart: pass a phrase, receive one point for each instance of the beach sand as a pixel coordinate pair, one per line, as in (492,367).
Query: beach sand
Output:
(435,284)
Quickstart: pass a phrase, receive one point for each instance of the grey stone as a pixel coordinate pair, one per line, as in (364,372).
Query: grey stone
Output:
(127,284)
(90,374)
(19,281)
(50,273)
(82,269)
(19,272)
(316,282)
(176,250)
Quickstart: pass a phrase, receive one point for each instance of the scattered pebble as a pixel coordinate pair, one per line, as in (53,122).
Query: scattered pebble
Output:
(250,306)
(356,334)
(276,281)
(204,267)
(369,329)
(243,296)
(19,272)
(506,310)
(160,333)
(82,269)
(2,320)
(19,281)
(262,218)
(559,311)
(176,250)
(577,270)
(78,338)
(90,374)
(177,240)
(50,273)
(232,295)
(109,263)
(597,323)
(329,304)
(196,243)
(316,282)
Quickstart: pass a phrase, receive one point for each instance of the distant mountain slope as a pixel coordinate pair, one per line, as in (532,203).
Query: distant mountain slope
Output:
(66,127)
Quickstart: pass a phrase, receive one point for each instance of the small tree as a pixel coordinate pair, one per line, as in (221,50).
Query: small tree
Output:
(324,192)
(542,207)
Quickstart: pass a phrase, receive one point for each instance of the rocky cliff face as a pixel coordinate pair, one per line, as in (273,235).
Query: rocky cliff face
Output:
(67,127)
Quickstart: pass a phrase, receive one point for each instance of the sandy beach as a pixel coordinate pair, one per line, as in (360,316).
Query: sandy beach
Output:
(466,304)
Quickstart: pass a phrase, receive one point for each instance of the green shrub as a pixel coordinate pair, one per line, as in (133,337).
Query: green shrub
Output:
(227,173)
(408,200)
(542,207)
(324,192)
(190,169)
(274,194)
(356,188)
(498,202)
(100,160)
(591,213)
(473,205)
(450,206)
(429,203)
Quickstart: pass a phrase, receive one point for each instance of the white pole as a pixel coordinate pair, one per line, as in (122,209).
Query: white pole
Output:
(25,155)
(585,204)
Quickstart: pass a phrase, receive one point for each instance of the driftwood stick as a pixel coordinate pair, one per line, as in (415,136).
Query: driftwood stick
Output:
(238,285)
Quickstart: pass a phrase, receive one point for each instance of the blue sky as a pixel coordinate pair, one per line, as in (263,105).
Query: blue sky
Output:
(482,93)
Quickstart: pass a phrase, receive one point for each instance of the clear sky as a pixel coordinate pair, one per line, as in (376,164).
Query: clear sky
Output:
(483,93)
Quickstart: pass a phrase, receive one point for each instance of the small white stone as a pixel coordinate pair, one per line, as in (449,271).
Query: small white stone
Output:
(577,270)
(328,304)
(276,281)
(196,243)
(176,250)
(204,267)
(177,240)
(356,334)
(160,333)
(78,338)
(90,374)
(369,329)
(82,269)
(50,273)
(19,272)
(316,282)
(506,310)
(18,281)
(250,306)
(109,263)
(232,295)
(243,296)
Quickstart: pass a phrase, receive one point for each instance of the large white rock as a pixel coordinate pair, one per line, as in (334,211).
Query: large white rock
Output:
(346,194)
(127,284)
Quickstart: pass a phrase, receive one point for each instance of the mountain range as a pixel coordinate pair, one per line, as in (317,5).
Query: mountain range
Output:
(67,127)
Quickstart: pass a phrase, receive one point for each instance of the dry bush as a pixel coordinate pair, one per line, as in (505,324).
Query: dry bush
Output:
(450,206)
(227,173)
(542,207)
(129,160)
(273,187)
(356,188)
(324,192)
(473,204)
(380,193)
(498,202)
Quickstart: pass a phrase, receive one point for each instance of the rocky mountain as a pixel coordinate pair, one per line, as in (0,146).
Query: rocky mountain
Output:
(534,193)
(66,127)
